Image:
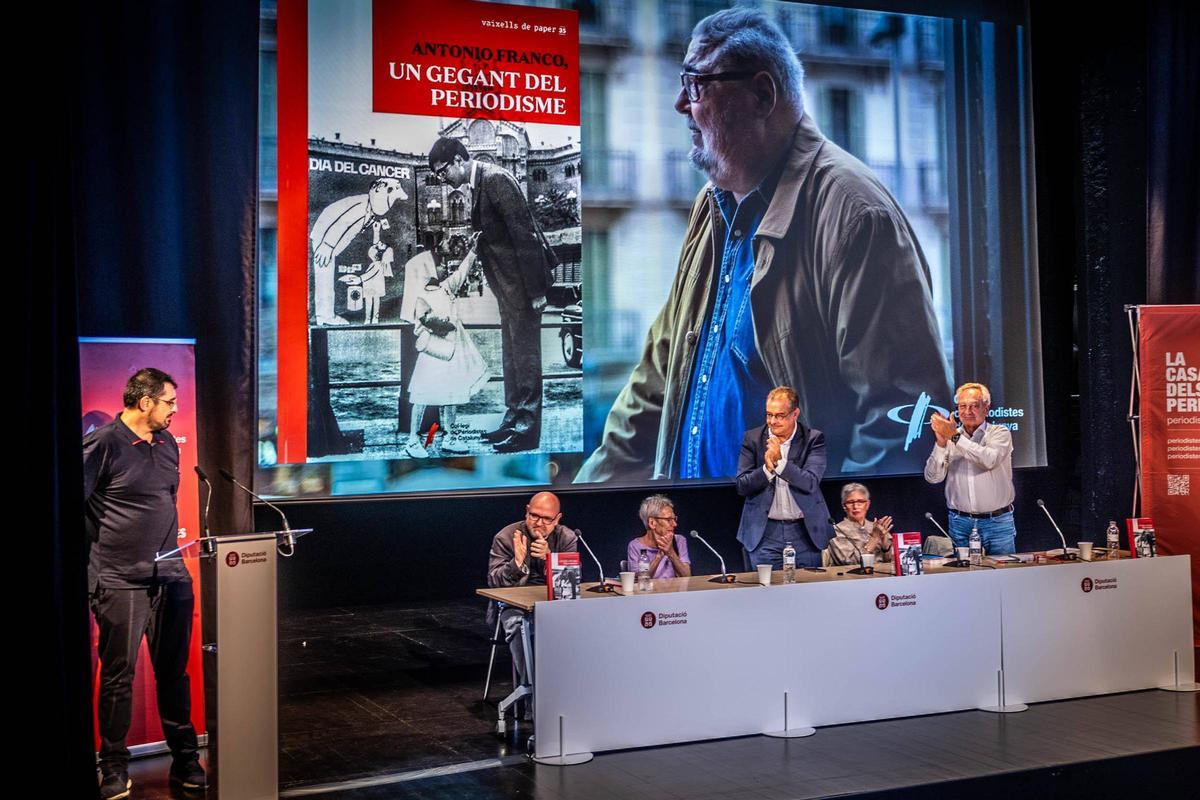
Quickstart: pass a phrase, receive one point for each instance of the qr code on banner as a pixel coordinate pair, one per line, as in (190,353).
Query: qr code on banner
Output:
(1179,484)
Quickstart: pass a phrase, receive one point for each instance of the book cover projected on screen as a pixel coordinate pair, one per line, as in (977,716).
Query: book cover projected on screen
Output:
(447,187)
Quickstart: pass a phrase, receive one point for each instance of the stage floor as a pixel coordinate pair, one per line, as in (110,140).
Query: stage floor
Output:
(385,702)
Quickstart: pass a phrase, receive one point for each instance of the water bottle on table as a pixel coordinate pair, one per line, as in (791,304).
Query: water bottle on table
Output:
(643,573)
(976,547)
(789,563)
(1112,537)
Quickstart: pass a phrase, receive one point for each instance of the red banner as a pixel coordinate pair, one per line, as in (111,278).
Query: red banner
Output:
(1169,373)
(468,59)
(292,254)
(104,367)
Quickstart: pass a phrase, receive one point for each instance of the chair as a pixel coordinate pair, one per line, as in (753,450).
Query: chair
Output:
(938,545)
(520,690)
(496,640)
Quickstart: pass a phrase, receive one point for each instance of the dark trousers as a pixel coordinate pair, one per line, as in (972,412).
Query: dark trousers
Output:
(521,351)
(163,614)
(775,538)
(510,622)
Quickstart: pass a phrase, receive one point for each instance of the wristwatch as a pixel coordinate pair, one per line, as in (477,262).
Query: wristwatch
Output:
(955,437)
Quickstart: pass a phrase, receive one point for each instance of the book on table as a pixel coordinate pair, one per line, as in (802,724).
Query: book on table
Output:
(906,553)
(564,573)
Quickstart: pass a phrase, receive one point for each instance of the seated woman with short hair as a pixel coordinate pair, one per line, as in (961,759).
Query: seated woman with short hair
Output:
(666,549)
(856,534)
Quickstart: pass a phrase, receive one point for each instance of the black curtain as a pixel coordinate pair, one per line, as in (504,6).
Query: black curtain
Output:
(166,190)
(1173,179)
(139,221)
(47,513)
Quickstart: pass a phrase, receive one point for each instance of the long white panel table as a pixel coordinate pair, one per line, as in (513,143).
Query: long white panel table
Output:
(695,660)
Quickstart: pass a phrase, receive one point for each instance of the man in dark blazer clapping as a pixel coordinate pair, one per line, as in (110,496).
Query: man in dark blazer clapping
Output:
(779,474)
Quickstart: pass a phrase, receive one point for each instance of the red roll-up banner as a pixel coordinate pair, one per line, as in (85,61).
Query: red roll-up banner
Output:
(104,367)
(1169,373)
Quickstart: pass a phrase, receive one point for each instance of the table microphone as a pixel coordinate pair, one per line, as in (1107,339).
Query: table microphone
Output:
(289,539)
(724,577)
(1065,555)
(964,563)
(603,587)
(930,517)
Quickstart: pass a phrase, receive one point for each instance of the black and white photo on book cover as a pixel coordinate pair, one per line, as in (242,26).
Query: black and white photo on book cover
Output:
(445,305)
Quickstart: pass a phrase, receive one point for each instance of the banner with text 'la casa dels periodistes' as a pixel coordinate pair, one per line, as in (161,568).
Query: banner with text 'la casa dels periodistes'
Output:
(1169,375)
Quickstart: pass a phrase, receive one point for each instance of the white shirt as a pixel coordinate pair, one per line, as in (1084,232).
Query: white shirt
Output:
(977,470)
(783,506)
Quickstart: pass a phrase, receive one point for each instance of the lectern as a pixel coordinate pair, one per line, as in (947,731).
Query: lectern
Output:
(241,670)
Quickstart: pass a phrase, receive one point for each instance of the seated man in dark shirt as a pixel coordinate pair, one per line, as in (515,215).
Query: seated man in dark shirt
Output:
(518,558)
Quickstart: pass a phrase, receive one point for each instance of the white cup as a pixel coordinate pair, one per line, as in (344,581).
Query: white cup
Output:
(868,561)
(627,582)
(1085,551)
(764,574)
(963,553)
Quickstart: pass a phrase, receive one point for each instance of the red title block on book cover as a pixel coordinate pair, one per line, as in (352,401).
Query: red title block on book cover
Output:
(457,58)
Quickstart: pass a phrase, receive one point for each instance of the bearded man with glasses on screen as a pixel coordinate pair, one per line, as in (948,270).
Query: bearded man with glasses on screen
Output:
(798,268)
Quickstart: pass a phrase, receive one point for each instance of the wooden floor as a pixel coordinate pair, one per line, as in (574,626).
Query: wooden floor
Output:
(383,702)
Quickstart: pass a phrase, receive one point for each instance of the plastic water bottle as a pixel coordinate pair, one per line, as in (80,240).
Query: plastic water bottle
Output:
(1113,537)
(643,573)
(789,563)
(976,547)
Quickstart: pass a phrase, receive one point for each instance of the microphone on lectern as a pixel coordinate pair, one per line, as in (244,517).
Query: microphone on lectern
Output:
(290,540)
(204,531)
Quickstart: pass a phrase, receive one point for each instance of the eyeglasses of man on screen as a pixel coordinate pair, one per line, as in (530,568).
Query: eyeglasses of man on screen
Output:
(728,112)
(452,173)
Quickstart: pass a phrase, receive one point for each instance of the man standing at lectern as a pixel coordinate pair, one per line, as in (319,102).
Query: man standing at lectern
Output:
(779,474)
(518,558)
(975,461)
(130,479)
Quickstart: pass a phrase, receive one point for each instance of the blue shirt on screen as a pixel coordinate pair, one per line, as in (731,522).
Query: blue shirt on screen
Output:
(729,382)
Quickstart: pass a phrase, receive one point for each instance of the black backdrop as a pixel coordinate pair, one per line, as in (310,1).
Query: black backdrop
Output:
(375,551)
(143,226)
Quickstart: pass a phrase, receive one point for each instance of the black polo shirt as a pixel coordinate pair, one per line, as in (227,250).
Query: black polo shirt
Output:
(129,489)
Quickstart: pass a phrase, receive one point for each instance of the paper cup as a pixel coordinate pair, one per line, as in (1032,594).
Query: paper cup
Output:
(628,580)
(868,561)
(764,574)
(1085,551)
(962,553)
